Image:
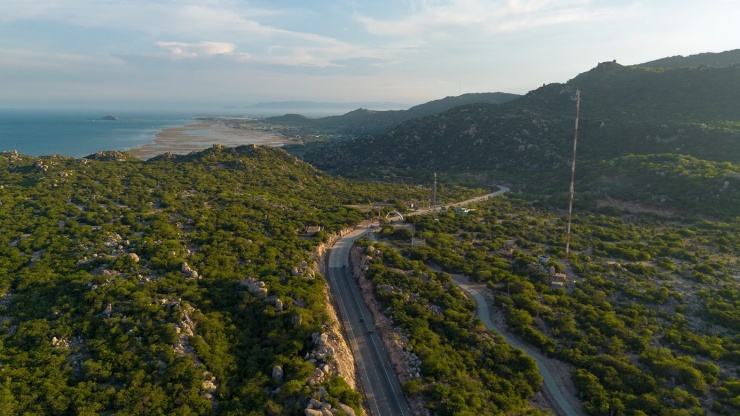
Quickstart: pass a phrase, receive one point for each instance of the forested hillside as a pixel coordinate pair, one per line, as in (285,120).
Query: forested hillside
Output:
(644,308)
(172,286)
(691,112)
(646,312)
(728,58)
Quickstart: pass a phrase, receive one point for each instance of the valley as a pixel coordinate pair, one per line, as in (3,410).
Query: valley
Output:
(196,283)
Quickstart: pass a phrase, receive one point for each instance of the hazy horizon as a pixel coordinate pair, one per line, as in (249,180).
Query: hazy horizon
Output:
(196,56)
(260,109)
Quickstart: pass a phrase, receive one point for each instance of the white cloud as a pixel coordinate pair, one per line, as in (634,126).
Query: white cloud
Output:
(195,50)
(178,27)
(435,19)
(383,48)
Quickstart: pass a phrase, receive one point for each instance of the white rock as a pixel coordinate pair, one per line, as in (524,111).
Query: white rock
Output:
(347,410)
(277,373)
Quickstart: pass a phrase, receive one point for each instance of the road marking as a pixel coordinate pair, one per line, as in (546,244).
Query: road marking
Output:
(377,352)
(363,370)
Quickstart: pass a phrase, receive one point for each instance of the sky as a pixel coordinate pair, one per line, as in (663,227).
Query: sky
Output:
(208,54)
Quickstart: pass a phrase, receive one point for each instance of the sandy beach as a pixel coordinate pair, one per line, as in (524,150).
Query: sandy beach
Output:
(202,135)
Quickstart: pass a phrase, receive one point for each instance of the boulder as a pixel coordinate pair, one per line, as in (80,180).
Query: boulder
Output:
(188,271)
(319,339)
(347,410)
(277,373)
(314,404)
(255,287)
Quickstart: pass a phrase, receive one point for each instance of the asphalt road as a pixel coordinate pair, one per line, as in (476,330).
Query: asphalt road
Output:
(501,190)
(380,386)
(382,390)
(554,392)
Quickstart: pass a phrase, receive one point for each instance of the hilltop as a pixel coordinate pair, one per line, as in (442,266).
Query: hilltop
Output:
(720,59)
(363,121)
(691,112)
(191,284)
(182,284)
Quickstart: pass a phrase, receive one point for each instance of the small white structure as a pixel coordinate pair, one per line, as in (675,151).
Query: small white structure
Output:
(395,215)
(418,242)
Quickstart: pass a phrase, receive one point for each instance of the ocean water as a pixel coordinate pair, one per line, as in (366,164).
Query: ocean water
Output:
(78,133)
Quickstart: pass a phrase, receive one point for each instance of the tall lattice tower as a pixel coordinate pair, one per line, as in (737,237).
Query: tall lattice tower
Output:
(572,178)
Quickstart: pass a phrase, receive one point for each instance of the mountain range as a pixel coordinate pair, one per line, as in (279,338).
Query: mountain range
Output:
(688,111)
(364,121)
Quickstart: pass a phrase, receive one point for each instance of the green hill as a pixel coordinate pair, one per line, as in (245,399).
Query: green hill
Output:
(125,285)
(624,110)
(727,58)
(363,121)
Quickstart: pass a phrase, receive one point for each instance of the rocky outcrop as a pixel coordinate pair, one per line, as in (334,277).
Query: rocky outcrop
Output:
(40,166)
(317,408)
(185,329)
(108,310)
(347,410)
(109,155)
(303,270)
(331,354)
(255,287)
(12,155)
(189,272)
(277,373)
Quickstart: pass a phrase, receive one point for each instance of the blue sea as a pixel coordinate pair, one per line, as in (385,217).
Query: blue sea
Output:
(78,133)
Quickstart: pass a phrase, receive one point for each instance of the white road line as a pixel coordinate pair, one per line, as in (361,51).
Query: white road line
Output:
(348,327)
(380,357)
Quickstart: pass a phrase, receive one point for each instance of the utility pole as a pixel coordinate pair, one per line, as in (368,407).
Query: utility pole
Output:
(572,178)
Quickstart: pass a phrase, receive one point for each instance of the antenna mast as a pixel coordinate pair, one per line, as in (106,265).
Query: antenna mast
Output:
(572,178)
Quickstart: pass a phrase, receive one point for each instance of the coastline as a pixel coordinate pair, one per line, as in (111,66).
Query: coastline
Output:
(202,135)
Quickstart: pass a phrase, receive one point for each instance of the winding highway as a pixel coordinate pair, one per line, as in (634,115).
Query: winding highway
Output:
(553,391)
(501,190)
(380,385)
(381,388)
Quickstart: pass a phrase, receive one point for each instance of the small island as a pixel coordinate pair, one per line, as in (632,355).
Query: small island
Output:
(110,118)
